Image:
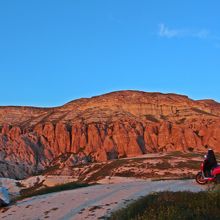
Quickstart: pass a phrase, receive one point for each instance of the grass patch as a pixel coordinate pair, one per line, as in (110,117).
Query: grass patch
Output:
(35,191)
(127,173)
(189,155)
(162,165)
(183,154)
(172,206)
(190,164)
(106,170)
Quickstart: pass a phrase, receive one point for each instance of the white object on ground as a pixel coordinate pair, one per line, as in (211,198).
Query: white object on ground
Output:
(4,196)
(11,185)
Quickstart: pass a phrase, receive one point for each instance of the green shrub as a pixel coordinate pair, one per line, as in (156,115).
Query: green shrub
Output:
(172,206)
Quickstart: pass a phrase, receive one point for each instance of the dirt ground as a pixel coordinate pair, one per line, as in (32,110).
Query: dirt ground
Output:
(94,202)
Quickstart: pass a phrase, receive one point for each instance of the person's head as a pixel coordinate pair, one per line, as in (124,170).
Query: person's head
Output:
(211,156)
(210,152)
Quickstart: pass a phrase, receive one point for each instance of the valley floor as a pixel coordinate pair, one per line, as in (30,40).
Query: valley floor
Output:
(94,202)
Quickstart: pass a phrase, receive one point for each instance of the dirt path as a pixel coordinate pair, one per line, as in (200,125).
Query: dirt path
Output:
(93,202)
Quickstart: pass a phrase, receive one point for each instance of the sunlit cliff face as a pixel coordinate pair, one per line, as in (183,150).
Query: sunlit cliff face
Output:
(118,124)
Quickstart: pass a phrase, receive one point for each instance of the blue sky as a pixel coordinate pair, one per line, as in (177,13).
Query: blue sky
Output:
(54,51)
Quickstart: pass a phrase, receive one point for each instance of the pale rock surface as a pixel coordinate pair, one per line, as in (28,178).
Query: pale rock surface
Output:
(4,196)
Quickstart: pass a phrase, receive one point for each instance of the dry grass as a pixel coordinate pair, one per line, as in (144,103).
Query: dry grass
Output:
(172,206)
(37,190)
(170,165)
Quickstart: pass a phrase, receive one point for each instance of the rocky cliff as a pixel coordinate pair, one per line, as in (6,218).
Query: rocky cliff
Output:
(117,124)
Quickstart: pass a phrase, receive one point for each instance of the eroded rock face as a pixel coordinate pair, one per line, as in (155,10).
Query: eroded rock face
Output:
(14,133)
(120,124)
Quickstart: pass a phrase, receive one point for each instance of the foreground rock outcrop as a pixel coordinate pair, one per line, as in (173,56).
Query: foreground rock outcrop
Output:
(4,196)
(114,125)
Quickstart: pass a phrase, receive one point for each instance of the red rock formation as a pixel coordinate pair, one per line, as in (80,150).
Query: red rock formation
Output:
(14,133)
(62,138)
(5,128)
(120,124)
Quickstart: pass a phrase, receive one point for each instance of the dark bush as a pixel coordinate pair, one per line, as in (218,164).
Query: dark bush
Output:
(172,206)
(35,191)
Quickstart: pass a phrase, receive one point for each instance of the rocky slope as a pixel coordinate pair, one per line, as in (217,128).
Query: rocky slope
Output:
(118,124)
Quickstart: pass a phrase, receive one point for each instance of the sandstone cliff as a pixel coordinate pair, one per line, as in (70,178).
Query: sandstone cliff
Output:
(118,124)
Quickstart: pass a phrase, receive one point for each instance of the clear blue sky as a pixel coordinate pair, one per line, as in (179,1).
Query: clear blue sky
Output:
(54,51)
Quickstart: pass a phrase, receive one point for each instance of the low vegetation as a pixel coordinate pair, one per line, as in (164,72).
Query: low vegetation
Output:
(106,169)
(172,206)
(174,164)
(37,190)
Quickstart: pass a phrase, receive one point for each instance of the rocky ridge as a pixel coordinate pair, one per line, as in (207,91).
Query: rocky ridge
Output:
(114,125)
